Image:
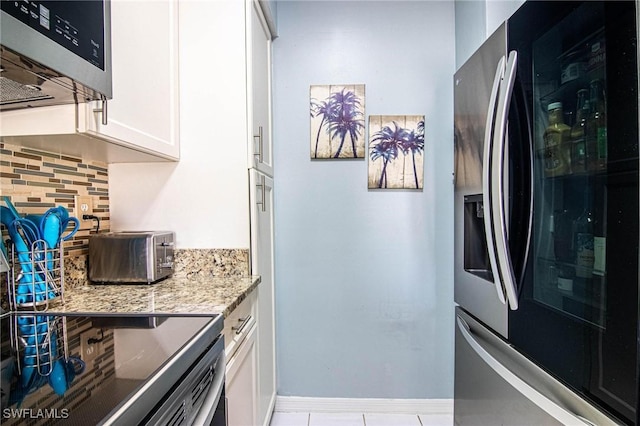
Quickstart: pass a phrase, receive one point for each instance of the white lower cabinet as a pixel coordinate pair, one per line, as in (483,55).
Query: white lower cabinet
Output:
(241,383)
(240,333)
(262,263)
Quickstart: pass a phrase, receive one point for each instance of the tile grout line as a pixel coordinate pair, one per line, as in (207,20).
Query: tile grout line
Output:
(364,419)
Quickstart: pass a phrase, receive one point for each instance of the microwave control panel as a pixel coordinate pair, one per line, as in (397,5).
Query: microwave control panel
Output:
(78,26)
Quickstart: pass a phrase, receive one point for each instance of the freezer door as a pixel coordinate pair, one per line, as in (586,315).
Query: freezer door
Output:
(475,99)
(496,385)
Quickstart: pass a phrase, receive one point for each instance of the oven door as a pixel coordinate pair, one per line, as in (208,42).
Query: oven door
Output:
(213,410)
(199,397)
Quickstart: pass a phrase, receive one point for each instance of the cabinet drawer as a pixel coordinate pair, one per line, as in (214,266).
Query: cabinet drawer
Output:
(238,323)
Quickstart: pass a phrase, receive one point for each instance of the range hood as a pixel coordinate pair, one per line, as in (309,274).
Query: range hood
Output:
(25,84)
(54,53)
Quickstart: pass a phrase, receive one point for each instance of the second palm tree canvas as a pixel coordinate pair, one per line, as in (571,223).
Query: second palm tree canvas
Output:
(396,146)
(337,121)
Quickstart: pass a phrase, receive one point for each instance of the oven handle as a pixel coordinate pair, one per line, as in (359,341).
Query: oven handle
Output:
(210,403)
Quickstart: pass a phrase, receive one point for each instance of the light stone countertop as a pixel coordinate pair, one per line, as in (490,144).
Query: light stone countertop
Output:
(175,295)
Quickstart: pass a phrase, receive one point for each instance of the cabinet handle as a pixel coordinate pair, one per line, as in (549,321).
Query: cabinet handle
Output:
(259,137)
(243,323)
(263,189)
(103,110)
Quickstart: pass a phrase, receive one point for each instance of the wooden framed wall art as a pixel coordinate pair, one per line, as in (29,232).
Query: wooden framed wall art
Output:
(337,121)
(396,148)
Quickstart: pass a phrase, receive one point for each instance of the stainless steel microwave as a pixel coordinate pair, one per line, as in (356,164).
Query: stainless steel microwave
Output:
(54,52)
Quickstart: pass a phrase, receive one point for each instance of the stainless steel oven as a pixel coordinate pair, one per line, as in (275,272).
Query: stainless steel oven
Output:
(199,398)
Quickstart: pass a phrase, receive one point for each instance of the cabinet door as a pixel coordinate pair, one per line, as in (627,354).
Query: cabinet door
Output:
(144,111)
(241,383)
(262,264)
(259,70)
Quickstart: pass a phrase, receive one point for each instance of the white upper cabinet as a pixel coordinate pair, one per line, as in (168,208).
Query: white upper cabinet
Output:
(143,116)
(259,81)
(144,111)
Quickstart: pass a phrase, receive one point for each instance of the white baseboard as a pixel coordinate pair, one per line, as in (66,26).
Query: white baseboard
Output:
(295,404)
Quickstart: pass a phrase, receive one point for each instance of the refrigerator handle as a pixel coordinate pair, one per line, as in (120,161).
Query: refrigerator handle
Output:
(487,176)
(552,408)
(498,207)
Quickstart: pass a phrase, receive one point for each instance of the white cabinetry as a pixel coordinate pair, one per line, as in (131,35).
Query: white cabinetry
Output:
(142,118)
(144,111)
(240,333)
(261,197)
(240,386)
(262,264)
(259,72)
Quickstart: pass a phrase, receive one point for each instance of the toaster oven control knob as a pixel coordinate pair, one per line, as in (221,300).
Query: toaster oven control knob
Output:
(167,255)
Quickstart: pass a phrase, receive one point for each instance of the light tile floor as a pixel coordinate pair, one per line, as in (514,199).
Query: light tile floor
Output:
(357,419)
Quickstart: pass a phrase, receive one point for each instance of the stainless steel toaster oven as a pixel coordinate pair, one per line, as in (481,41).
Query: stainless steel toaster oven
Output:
(131,257)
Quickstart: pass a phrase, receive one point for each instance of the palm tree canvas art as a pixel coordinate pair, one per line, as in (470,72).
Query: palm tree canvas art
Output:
(337,121)
(396,147)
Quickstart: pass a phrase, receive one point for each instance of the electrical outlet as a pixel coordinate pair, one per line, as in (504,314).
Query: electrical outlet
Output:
(84,205)
(89,351)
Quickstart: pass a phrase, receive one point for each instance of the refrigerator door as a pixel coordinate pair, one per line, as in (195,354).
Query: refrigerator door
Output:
(496,385)
(578,299)
(476,95)
(493,195)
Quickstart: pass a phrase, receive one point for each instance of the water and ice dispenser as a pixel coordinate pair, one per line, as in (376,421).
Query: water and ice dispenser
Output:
(476,254)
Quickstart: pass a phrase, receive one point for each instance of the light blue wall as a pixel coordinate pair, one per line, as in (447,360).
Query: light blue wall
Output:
(364,279)
(476,20)
(471,23)
(498,11)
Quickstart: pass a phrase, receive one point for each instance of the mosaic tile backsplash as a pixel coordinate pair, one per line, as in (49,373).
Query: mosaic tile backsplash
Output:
(38,180)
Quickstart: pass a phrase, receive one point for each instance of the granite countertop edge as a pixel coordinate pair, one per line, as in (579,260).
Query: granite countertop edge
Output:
(193,296)
(241,296)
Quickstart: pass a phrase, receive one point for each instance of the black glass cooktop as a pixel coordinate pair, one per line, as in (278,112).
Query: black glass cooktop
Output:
(81,369)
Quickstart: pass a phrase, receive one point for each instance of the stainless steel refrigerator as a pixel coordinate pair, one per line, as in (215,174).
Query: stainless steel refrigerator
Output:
(546,216)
